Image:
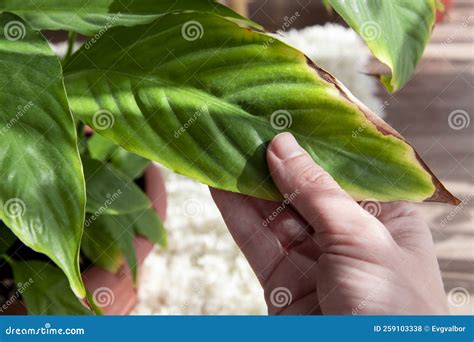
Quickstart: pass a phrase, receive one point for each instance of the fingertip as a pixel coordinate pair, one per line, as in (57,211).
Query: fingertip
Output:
(284,146)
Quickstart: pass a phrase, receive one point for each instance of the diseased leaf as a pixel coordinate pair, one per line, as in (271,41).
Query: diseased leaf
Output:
(209,109)
(45,289)
(111,192)
(97,16)
(42,195)
(396,31)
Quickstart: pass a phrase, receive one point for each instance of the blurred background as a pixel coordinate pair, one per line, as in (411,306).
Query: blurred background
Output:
(203,272)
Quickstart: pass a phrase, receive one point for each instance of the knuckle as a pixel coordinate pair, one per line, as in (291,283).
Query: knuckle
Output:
(314,176)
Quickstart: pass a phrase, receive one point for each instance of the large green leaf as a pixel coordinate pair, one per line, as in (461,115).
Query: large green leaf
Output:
(45,289)
(97,16)
(110,191)
(396,32)
(208,109)
(42,195)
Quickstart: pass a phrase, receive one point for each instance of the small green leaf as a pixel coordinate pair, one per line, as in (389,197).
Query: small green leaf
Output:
(396,31)
(209,109)
(42,193)
(109,238)
(149,225)
(100,148)
(129,163)
(111,192)
(100,247)
(121,234)
(45,289)
(97,16)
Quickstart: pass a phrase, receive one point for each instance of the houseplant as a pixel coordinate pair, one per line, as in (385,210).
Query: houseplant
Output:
(198,88)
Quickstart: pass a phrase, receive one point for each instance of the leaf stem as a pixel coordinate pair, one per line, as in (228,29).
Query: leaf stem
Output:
(71,39)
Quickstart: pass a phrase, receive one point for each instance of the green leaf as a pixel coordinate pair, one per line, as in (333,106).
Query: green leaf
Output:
(110,238)
(111,192)
(100,148)
(7,238)
(45,289)
(42,195)
(121,235)
(149,225)
(97,16)
(129,163)
(396,31)
(209,109)
(100,247)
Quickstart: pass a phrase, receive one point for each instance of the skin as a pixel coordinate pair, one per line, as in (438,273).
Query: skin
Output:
(322,253)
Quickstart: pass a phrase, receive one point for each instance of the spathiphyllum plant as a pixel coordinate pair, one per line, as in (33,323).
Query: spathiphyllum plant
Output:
(191,85)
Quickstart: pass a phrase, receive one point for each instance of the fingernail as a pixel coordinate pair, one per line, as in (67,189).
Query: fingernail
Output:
(285,146)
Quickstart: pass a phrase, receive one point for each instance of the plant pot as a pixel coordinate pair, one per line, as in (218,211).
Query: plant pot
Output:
(115,293)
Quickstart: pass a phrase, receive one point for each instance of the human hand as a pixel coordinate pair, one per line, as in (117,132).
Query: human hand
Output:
(321,253)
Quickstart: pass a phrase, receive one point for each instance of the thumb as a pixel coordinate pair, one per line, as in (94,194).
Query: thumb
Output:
(315,194)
